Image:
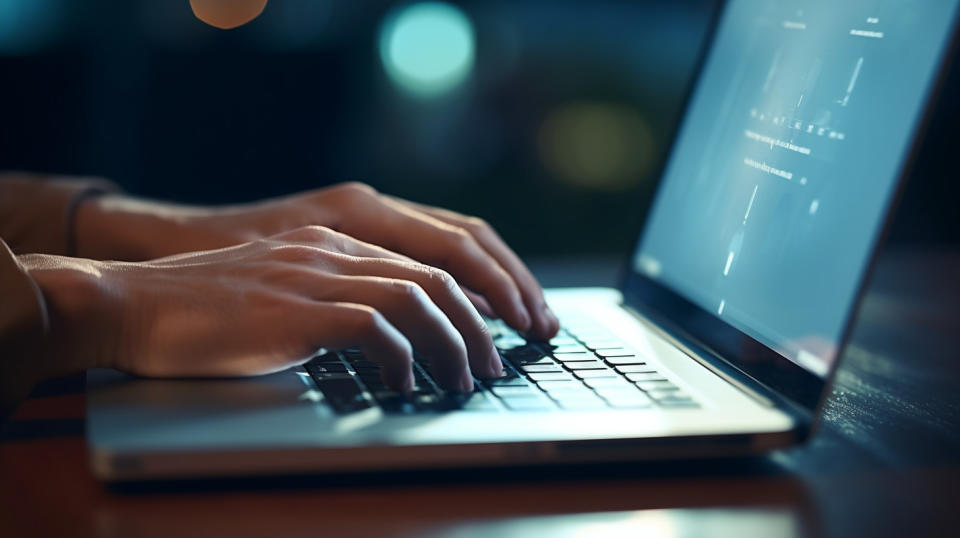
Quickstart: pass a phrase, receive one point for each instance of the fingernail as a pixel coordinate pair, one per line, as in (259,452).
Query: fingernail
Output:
(496,366)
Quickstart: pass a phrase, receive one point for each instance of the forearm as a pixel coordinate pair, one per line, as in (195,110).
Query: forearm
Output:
(90,218)
(120,227)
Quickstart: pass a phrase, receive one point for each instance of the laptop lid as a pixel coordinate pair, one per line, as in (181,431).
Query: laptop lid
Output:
(781,180)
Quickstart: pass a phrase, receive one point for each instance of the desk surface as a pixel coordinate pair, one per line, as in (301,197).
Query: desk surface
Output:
(886,462)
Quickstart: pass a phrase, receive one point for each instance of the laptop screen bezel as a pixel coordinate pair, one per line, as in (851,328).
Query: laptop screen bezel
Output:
(722,341)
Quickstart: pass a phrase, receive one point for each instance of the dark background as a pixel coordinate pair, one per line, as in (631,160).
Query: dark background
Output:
(143,93)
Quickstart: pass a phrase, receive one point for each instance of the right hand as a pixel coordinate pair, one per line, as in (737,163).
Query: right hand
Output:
(265,306)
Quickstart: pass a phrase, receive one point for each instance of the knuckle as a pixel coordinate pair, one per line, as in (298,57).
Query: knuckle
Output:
(459,237)
(408,291)
(311,233)
(441,279)
(295,253)
(355,189)
(315,232)
(477,225)
(364,320)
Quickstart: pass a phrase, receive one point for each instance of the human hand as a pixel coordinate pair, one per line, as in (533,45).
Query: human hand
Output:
(494,278)
(261,307)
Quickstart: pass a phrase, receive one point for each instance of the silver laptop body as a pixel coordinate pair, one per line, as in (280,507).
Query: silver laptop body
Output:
(739,294)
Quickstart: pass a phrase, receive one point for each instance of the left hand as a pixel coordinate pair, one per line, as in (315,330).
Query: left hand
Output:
(497,282)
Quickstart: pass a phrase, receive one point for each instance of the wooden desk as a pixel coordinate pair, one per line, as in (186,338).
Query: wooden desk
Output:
(887,462)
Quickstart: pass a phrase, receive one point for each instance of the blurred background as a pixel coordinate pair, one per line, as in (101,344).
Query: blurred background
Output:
(548,118)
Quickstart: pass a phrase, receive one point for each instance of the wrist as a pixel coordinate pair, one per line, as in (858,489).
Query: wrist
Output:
(116,227)
(84,314)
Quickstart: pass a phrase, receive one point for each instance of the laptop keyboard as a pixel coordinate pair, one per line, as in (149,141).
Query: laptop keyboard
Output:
(584,367)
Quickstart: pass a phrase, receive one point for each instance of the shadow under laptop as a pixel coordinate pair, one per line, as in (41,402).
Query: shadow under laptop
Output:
(502,475)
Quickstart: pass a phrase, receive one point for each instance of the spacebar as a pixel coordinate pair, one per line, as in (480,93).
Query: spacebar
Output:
(342,392)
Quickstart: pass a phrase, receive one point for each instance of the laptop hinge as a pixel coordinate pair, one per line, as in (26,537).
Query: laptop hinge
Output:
(698,356)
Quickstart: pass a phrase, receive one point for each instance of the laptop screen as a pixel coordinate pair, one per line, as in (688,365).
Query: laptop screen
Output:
(787,160)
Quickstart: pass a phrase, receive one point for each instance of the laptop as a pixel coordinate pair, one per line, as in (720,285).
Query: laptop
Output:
(723,335)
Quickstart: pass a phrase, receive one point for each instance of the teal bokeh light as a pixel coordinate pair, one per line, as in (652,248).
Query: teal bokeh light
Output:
(27,26)
(427,48)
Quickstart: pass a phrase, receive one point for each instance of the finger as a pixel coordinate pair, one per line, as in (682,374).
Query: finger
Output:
(342,325)
(480,303)
(328,239)
(403,303)
(447,295)
(403,229)
(545,324)
(294,338)
(332,240)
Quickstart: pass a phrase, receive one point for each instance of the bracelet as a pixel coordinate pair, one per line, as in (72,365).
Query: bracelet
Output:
(81,196)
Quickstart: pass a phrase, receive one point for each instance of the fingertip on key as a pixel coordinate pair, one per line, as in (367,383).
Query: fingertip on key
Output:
(553,323)
(496,365)
(524,321)
(466,384)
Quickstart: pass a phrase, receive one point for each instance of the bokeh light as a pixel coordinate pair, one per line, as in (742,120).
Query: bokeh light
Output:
(27,26)
(427,48)
(595,145)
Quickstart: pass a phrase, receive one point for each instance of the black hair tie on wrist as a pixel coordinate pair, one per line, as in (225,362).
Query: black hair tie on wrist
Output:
(71,216)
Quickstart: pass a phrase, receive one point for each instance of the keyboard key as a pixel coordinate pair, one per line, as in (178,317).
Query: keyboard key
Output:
(440,402)
(614,352)
(606,382)
(582,404)
(330,367)
(589,374)
(602,343)
(630,404)
(506,382)
(531,368)
(645,376)
(529,404)
(583,393)
(631,368)
(396,403)
(568,385)
(624,397)
(656,385)
(574,357)
(550,376)
(680,404)
(524,353)
(342,392)
(558,341)
(533,359)
(669,395)
(631,359)
(587,365)
(509,341)
(572,348)
(516,391)
(621,389)
(478,402)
